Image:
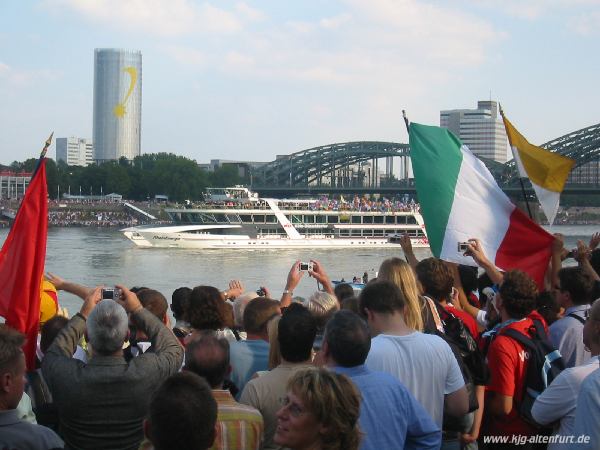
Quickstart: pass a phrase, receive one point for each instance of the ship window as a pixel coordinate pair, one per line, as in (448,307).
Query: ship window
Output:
(411,220)
(309,219)
(220,218)
(368,233)
(246,218)
(344,219)
(378,233)
(233,218)
(332,219)
(378,219)
(388,232)
(367,219)
(321,219)
(271,218)
(390,219)
(296,219)
(356,233)
(345,233)
(356,219)
(401,219)
(258,218)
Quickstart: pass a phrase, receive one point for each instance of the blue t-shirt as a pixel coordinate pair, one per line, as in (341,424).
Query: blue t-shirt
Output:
(247,358)
(390,417)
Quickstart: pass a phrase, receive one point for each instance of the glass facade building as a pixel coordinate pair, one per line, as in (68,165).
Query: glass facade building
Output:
(117,104)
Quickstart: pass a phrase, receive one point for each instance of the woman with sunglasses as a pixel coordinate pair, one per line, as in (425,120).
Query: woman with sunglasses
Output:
(319,412)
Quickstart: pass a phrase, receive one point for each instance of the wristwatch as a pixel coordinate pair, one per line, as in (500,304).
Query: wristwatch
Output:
(287,291)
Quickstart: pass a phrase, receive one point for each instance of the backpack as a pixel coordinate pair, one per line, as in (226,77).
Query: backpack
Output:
(544,365)
(468,356)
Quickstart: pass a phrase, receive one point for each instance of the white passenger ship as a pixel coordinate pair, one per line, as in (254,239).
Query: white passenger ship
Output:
(237,218)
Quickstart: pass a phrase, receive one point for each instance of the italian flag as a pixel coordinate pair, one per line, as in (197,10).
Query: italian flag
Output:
(460,200)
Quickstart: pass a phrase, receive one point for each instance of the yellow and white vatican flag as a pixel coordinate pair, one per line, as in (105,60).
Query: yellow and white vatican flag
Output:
(547,171)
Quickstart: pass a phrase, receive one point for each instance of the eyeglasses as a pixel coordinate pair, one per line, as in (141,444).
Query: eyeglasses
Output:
(294,409)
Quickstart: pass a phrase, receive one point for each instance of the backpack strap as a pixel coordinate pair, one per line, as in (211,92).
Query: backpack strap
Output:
(435,313)
(519,337)
(575,316)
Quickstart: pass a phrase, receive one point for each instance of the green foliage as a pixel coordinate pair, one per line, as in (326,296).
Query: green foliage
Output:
(177,177)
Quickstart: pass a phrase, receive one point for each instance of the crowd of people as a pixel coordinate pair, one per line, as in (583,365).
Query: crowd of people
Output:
(84,218)
(430,355)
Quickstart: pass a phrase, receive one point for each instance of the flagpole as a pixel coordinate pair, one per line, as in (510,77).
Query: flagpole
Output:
(406,122)
(42,154)
(518,171)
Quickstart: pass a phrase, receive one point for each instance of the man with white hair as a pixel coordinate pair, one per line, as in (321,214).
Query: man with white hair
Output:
(102,404)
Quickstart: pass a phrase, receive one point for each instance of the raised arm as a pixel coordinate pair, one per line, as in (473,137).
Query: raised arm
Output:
(475,250)
(60,284)
(167,356)
(583,258)
(293,279)
(409,254)
(319,274)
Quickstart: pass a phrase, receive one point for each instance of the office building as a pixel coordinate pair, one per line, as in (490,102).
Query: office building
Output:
(117,104)
(481,129)
(74,151)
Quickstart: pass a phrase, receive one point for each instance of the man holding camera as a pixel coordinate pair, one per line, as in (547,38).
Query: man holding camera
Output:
(102,404)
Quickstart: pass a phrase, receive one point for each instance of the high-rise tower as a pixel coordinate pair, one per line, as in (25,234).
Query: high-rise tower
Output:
(117,104)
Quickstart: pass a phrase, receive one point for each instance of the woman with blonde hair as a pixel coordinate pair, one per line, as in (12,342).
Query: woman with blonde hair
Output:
(319,412)
(401,274)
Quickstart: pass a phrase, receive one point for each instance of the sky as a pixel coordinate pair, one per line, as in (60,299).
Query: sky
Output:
(248,80)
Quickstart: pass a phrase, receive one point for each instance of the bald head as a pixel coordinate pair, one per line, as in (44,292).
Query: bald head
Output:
(208,356)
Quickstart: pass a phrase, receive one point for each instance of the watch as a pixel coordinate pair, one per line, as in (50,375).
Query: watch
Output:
(225,294)
(287,291)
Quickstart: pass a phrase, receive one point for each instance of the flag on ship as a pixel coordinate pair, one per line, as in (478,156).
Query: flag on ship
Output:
(22,260)
(460,200)
(547,171)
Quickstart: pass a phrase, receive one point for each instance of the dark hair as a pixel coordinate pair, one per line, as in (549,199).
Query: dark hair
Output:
(208,356)
(348,339)
(518,293)
(483,281)
(258,312)
(137,289)
(351,304)
(180,301)
(11,342)
(435,277)
(343,291)
(296,333)
(577,283)
(468,278)
(206,310)
(382,297)
(154,302)
(183,414)
(547,306)
(50,330)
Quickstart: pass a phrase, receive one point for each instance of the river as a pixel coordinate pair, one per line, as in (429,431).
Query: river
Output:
(101,256)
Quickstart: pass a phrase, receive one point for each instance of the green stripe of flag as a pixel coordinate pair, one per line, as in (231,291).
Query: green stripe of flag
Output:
(436,159)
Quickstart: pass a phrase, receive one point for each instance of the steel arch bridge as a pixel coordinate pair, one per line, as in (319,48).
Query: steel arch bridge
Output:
(308,166)
(581,145)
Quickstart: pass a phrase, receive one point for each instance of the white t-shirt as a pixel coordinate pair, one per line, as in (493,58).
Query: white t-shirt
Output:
(559,400)
(424,363)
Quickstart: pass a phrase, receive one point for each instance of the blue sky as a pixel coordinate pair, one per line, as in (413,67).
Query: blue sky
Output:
(250,80)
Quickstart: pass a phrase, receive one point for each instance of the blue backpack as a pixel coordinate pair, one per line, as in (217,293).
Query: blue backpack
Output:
(544,365)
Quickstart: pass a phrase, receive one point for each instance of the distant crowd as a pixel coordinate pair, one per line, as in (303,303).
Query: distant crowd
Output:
(429,355)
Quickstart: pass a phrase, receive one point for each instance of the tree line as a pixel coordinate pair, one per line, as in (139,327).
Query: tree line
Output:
(147,175)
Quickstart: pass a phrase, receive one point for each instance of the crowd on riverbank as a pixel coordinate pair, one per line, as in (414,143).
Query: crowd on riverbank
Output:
(450,357)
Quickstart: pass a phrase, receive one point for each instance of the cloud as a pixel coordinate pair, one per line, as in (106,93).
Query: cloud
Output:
(159,17)
(585,24)
(22,78)
(535,9)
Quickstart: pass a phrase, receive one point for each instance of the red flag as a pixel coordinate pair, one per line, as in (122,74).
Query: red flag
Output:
(22,263)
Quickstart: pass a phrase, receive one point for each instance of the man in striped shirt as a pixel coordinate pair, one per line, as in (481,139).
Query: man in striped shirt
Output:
(238,426)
